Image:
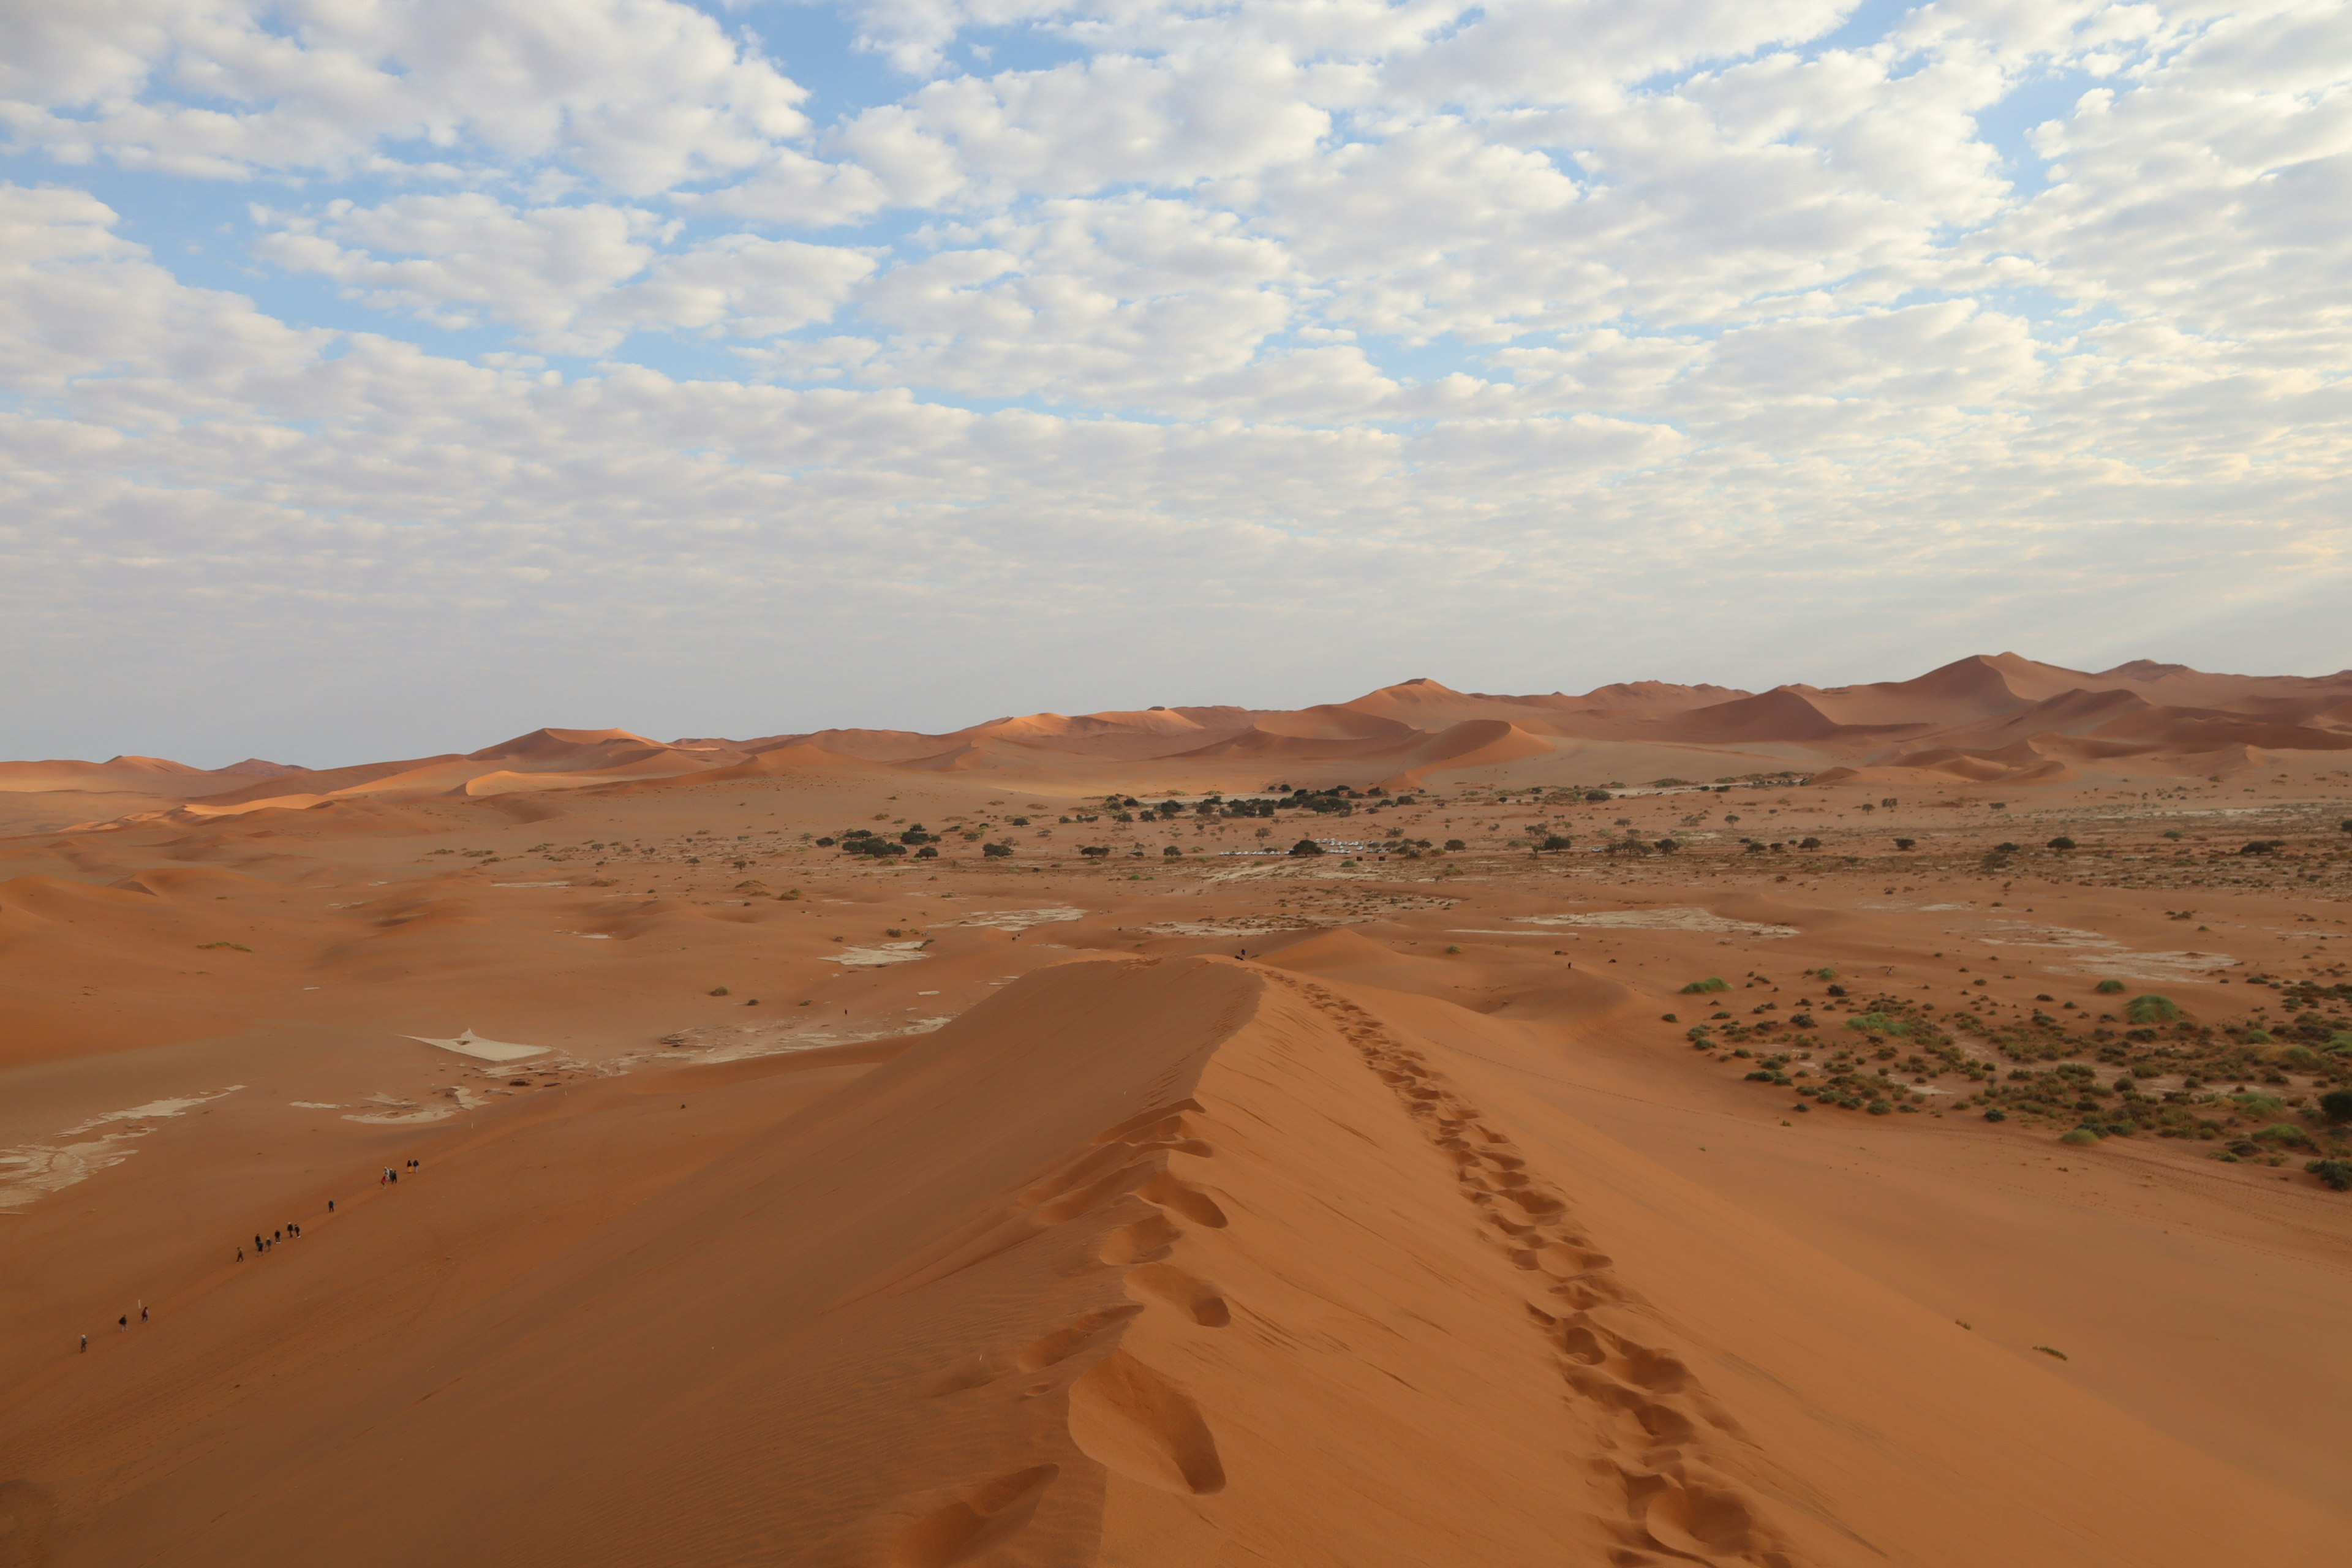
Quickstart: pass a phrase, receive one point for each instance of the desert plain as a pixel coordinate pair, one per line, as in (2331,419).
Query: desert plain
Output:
(1669,1125)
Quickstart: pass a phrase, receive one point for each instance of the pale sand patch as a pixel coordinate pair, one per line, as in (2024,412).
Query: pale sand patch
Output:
(469,1044)
(1250,925)
(32,1171)
(1014,919)
(737,1042)
(530,884)
(876,957)
(2103,956)
(2153,965)
(1661,919)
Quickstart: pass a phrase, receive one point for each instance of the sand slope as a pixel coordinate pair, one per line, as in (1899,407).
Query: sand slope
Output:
(1180,1262)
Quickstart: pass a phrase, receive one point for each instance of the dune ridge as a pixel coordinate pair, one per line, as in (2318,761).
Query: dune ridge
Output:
(1139,1262)
(1993,718)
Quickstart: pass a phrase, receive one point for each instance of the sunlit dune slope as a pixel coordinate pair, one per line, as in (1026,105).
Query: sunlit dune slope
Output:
(1141,1262)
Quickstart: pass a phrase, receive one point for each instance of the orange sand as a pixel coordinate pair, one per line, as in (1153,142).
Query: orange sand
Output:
(1215,1208)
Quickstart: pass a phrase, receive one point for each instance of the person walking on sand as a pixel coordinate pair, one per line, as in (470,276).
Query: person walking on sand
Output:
(85,1344)
(142,1312)
(122,1324)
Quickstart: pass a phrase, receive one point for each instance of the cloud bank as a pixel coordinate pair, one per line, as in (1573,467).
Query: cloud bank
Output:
(373,371)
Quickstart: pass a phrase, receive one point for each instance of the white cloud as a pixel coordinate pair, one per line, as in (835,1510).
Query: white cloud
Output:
(644,94)
(1415,310)
(575,279)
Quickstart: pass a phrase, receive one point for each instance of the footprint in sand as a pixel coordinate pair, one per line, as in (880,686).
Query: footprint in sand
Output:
(1195,1298)
(1061,1344)
(1180,1198)
(982,1518)
(1128,1419)
(971,1372)
(1145,1241)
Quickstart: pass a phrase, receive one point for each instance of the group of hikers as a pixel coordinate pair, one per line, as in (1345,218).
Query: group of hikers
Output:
(292,1229)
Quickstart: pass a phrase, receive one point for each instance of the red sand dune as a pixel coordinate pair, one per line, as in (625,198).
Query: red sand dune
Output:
(1189,1203)
(1967,720)
(1177,1262)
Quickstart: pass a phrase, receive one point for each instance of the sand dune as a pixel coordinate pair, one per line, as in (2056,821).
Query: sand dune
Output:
(1663,1125)
(1165,1262)
(1996,719)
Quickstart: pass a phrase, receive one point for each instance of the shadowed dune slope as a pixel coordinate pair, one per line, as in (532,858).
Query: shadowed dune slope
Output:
(1144,1262)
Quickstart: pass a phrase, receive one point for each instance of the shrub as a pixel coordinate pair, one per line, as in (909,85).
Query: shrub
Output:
(1996,1114)
(1904,843)
(2258,846)
(2337,1173)
(2080,1135)
(1306,847)
(2336,1105)
(996,851)
(1878,1107)
(1172,852)
(1699,987)
(1669,846)
(2152,1009)
(718,991)
(2284,1132)
(2062,842)
(1455,844)
(1095,851)
(2108,987)
(1596,795)
(1556,842)
(1810,844)
(927,852)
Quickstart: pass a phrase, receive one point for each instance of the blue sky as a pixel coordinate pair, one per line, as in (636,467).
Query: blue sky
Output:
(393,378)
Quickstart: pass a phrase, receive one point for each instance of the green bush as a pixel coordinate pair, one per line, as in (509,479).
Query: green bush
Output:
(2152,1009)
(2108,987)
(2062,842)
(2336,1105)
(1879,1107)
(2337,1173)
(1699,987)
(2080,1135)
(1306,847)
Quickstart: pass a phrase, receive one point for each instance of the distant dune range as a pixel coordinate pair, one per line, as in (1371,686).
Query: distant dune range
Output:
(1994,719)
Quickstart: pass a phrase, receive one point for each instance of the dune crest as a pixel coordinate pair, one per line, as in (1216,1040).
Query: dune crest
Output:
(1986,718)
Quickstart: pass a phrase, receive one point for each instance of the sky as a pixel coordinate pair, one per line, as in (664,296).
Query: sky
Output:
(384,377)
